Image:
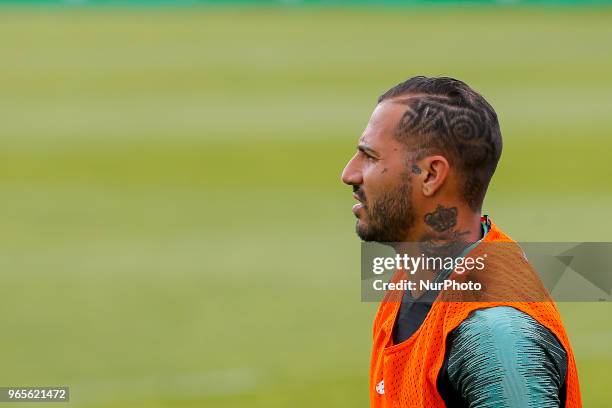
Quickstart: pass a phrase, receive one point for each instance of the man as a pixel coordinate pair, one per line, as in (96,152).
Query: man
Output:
(420,175)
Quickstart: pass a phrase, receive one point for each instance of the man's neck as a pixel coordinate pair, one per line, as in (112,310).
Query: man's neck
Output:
(444,232)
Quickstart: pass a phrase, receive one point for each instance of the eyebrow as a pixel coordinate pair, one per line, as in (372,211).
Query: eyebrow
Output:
(365,148)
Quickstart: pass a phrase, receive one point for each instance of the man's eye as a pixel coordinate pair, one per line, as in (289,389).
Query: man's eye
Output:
(367,156)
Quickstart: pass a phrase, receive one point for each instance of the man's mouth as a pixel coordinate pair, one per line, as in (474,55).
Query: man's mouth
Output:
(359,205)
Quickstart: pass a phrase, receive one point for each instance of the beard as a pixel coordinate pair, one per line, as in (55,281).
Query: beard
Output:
(389,217)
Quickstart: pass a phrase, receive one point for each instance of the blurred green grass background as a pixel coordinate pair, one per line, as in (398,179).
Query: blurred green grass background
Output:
(174,229)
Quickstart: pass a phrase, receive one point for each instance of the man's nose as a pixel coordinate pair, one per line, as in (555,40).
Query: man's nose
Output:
(351,175)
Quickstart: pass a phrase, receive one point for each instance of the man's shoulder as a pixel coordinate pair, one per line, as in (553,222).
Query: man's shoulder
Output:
(509,340)
(503,345)
(504,325)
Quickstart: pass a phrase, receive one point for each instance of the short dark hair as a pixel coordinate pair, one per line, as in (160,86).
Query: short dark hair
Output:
(445,115)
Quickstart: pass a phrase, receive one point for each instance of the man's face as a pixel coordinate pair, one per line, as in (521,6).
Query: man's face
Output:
(379,174)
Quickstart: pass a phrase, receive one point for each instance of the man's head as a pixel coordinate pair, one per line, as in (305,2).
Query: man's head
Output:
(430,141)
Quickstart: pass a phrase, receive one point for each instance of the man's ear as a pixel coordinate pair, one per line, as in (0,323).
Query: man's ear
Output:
(435,172)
